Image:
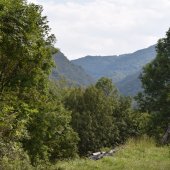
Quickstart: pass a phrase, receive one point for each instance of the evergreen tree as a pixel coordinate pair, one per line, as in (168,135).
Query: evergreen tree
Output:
(155,78)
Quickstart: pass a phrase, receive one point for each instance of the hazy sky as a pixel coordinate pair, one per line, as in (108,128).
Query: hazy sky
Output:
(106,27)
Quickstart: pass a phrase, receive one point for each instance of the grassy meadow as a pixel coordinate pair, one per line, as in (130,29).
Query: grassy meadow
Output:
(140,154)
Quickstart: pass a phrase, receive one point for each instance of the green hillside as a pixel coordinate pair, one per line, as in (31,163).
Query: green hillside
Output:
(123,69)
(73,73)
(116,67)
(130,85)
(55,125)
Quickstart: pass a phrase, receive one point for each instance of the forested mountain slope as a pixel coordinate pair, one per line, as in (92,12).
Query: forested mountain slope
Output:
(116,67)
(73,73)
(124,70)
(130,85)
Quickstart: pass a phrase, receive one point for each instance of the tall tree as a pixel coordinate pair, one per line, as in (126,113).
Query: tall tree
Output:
(30,116)
(156,84)
(101,116)
(91,118)
(106,85)
(25,46)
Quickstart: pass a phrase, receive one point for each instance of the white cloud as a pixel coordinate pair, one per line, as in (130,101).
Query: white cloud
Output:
(102,27)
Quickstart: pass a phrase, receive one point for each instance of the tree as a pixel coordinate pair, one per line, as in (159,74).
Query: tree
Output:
(156,84)
(31,117)
(102,117)
(91,118)
(106,85)
(130,123)
(51,136)
(25,46)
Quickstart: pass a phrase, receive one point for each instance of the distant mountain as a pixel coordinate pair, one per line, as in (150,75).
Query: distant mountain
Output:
(116,67)
(73,73)
(124,69)
(130,85)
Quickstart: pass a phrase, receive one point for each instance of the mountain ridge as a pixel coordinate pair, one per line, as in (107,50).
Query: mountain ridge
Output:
(114,65)
(73,73)
(124,69)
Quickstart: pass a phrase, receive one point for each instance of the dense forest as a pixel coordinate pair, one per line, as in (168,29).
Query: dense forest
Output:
(43,121)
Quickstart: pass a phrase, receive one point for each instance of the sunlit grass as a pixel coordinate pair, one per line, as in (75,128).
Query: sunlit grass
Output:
(134,155)
(141,154)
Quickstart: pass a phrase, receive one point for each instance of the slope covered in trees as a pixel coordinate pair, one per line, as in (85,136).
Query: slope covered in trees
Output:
(124,70)
(73,73)
(116,67)
(43,122)
(130,85)
(102,117)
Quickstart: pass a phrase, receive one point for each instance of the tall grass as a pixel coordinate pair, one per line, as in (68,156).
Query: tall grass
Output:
(139,154)
(136,154)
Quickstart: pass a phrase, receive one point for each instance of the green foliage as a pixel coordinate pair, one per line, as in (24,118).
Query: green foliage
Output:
(14,116)
(37,116)
(51,137)
(32,118)
(91,118)
(101,117)
(41,128)
(25,46)
(106,86)
(129,122)
(156,83)
(14,158)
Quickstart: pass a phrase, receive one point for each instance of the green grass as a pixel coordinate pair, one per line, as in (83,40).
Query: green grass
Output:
(135,155)
(141,154)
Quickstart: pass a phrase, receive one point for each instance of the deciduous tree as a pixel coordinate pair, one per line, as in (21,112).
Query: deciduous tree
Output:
(156,84)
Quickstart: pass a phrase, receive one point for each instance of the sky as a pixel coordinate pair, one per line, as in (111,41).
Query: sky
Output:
(106,27)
